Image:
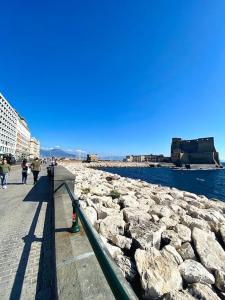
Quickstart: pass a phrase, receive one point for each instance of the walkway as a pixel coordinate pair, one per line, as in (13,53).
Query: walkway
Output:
(26,239)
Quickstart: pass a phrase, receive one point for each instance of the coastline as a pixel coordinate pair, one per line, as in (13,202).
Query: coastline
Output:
(141,223)
(121,164)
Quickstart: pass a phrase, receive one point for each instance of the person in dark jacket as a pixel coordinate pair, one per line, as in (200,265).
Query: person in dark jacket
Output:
(36,168)
(4,172)
(25,168)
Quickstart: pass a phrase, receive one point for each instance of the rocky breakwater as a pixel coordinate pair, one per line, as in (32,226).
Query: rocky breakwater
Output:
(120,164)
(168,243)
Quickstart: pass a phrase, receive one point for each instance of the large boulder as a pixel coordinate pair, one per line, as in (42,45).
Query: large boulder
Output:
(220,280)
(186,251)
(202,291)
(184,233)
(128,201)
(171,254)
(211,253)
(112,225)
(193,272)
(146,234)
(121,241)
(178,295)
(104,212)
(113,250)
(176,194)
(222,232)
(160,211)
(134,215)
(158,275)
(178,210)
(127,267)
(172,238)
(194,222)
(169,222)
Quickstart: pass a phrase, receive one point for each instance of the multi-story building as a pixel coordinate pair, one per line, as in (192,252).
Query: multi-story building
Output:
(34,148)
(8,127)
(147,158)
(23,139)
(92,157)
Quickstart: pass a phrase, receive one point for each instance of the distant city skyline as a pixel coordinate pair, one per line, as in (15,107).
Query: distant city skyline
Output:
(116,78)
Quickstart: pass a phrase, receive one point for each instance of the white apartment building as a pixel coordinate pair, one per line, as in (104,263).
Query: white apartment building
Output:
(34,148)
(8,127)
(23,139)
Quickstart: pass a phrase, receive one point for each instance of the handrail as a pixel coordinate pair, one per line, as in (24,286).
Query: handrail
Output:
(120,292)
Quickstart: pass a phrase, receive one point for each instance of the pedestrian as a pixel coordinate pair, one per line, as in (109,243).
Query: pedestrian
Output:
(4,172)
(25,168)
(36,168)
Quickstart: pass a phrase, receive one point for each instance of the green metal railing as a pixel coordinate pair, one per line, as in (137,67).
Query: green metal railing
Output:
(119,289)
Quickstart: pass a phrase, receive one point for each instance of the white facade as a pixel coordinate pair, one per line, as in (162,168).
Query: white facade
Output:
(34,148)
(8,127)
(23,139)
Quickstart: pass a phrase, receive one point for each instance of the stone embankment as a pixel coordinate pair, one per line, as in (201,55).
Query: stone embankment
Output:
(121,164)
(168,243)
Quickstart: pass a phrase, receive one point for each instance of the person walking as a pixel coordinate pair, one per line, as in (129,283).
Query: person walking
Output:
(25,168)
(36,168)
(4,172)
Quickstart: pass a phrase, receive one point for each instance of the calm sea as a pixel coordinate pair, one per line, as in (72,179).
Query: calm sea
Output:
(210,183)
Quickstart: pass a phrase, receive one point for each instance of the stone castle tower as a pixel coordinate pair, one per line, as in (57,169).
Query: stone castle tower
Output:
(198,151)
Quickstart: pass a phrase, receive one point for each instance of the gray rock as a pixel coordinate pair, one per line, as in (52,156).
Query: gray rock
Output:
(112,225)
(176,194)
(186,251)
(132,215)
(222,232)
(190,195)
(177,209)
(171,253)
(146,234)
(160,211)
(169,222)
(121,241)
(178,295)
(172,238)
(104,212)
(158,275)
(128,201)
(202,291)
(193,272)
(194,222)
(220,280)
(184,233)
(113,250)
(127,267)
(211,253)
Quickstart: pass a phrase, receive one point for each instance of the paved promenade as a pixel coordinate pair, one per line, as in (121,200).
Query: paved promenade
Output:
(26,239)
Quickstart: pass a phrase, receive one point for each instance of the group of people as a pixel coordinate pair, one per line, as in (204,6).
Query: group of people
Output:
(34,167)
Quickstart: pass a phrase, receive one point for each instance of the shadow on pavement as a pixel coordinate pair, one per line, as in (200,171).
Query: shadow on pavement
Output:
(45,288)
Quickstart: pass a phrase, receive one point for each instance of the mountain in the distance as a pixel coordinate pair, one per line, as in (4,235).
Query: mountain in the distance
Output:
(56,152)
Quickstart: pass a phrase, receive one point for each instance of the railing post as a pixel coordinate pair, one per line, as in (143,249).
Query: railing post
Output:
(75,225)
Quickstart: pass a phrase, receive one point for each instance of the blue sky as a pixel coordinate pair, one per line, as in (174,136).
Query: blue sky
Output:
(116,77)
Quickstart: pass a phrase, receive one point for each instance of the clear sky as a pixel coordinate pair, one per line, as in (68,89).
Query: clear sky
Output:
(116,77)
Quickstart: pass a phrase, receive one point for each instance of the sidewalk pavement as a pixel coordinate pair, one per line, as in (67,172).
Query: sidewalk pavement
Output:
(26,239)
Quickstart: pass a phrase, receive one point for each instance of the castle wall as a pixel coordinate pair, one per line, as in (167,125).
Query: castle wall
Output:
(199,151)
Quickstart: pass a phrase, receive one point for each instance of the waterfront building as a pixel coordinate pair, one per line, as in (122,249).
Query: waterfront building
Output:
(197,151)
(34,148)
(8,127)
(147,158)
(23,139)
(92,157)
